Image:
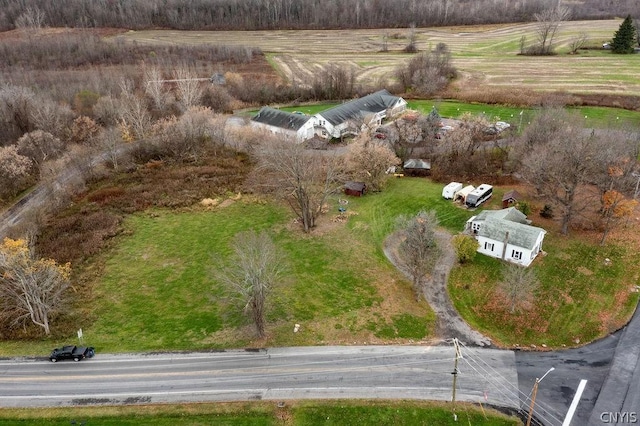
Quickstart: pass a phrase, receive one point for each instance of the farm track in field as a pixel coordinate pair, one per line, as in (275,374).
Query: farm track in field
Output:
(486,56)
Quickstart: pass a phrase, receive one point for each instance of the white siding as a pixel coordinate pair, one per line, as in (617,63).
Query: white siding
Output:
(490,247)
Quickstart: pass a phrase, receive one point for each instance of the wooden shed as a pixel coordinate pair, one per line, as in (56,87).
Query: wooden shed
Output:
(357,189)
(510,198)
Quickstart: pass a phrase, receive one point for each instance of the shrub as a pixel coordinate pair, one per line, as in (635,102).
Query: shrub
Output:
(547,212)
(465,246)
(524,207)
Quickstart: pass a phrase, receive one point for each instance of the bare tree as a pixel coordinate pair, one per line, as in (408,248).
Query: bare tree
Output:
(418,248)
(518,285)
(16,110)
(369,160)
(154,87)
(184,138)
(188,87)
(411,45)
(560,168)
(548,22)
(302,177)
(14,170)
(31,289)
(83,130)
(334,82)
(578,42)
(110,141)
(254,269)
(40,146)
(405,137)
(427,72)
(32,18)
(51,116)
(615,207)
(133,113)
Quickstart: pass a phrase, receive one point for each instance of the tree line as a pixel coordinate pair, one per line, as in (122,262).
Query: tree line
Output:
(289,14)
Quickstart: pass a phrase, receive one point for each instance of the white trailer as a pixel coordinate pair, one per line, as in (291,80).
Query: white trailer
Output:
(449,191)
(461,195)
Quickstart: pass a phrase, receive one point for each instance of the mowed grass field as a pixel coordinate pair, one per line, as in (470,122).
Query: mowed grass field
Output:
(157,287)
(302,413)
(486,56)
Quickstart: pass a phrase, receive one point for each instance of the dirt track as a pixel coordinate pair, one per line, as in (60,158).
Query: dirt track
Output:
(485,55)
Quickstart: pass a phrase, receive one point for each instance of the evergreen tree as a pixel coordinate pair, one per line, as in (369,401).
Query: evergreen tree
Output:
(624,39)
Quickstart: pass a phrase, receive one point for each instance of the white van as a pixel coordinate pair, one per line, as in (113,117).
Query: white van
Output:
(450,189)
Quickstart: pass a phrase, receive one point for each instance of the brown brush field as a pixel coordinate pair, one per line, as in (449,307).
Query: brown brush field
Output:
(486,56)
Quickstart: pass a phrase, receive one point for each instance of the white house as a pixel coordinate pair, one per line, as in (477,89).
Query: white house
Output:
(506,234)
(297,126)
(350,117)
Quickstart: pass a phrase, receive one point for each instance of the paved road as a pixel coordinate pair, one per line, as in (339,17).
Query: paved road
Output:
(556,391)
(398,372)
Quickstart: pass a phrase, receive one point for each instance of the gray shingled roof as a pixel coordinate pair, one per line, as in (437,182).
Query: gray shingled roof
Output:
(415,163)
(373,103)
(520,235)
(511,214)
(283,119)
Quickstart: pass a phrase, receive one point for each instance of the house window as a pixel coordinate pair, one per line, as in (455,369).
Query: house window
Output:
(516,254)
(475,227)
(488,246)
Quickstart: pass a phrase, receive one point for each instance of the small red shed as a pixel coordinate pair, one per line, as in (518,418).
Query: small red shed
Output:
(510,198)
(357,189)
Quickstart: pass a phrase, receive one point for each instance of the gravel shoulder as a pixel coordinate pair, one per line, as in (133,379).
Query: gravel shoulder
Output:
(450,323)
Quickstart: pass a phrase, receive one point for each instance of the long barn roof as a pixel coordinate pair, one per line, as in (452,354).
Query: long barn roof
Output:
(373,103)
(283,119)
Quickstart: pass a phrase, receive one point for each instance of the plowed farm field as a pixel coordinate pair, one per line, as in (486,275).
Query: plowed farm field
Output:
(485,56)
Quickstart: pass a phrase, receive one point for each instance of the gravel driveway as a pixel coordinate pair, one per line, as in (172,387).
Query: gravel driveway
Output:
(450,323)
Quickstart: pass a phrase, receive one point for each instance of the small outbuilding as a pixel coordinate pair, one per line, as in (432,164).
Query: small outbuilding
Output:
(356,189)
(510,198)
(417,167)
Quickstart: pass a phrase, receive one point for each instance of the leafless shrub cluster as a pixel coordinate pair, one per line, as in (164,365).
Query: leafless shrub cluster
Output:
(428,72)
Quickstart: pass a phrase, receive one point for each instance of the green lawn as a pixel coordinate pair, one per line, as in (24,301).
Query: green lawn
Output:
(597,117)
(306,413)
(158,291)
(594,116)
(580,298)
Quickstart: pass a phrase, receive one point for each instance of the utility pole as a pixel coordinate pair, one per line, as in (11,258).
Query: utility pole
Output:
(534,391)
(455,377)
(455,369)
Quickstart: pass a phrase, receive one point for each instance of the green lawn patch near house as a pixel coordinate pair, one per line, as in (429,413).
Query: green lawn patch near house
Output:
(300,413)
(581,296)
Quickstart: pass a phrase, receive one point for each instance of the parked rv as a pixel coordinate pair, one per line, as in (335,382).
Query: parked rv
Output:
(461,195)
(449,191)
(479,195)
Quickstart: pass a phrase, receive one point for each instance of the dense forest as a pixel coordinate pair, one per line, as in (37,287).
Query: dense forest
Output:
(290,14)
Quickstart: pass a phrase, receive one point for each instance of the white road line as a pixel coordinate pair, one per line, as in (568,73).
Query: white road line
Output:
(574,403)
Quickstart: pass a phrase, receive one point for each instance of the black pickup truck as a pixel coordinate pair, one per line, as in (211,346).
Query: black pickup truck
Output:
(75,353)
